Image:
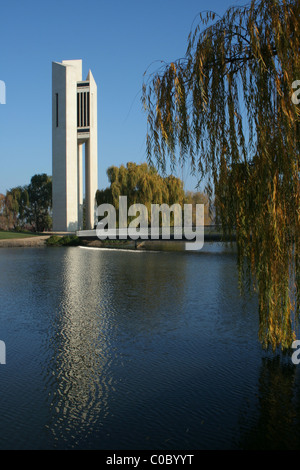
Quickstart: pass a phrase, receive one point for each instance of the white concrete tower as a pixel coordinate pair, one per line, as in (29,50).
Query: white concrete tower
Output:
(74,123)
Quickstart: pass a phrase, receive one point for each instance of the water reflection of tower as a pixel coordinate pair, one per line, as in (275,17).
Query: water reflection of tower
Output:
(112,306)
(83,377)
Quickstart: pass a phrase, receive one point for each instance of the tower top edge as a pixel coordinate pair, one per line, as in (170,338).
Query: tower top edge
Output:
(66,63)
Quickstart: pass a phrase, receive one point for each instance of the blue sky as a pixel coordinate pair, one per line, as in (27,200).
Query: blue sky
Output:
(117,40)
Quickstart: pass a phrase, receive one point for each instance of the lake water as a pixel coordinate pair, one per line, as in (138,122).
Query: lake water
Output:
(137,350)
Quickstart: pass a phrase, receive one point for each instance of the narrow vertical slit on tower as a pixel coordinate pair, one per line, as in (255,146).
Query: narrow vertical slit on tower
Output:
(78,110)
(82,109)
(56,109)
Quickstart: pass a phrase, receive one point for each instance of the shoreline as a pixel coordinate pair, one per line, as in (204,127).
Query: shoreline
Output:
(140,245)
(24,242)
(144,245)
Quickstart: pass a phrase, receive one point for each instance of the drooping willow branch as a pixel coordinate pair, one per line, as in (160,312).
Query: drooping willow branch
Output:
(227,108)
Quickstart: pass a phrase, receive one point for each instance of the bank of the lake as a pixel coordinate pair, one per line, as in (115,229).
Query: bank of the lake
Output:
(29,241)
(57,239)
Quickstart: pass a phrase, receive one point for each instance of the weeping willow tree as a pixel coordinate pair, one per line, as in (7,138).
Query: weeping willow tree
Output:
(141,184)
(227,108)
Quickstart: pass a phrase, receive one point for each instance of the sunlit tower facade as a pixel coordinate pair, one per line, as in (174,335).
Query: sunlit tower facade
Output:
(74,125)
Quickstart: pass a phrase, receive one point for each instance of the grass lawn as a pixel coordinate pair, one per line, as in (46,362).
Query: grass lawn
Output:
(7,235)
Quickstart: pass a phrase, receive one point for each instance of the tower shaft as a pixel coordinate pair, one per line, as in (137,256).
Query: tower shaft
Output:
(74,125)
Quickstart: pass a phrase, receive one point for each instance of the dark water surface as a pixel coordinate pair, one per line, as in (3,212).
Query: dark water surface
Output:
(130,350)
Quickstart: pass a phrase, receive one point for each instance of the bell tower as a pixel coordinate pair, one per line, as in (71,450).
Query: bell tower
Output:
(74,126)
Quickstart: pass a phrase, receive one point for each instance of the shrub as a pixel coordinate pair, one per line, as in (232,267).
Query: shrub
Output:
(54,240)
(68,240)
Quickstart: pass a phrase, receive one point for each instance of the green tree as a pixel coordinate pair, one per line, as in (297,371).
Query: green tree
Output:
(10,211)
(16,206)
(3,220)
(228,108)
(40,202)
(141,184)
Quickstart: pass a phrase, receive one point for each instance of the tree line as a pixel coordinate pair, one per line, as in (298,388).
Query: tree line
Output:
(28,207)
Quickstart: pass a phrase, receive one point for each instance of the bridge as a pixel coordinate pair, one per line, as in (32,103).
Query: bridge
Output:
(192,235)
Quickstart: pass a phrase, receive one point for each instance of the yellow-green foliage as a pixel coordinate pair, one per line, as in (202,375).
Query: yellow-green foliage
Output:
(142,184)
(228,108)
(68,240)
